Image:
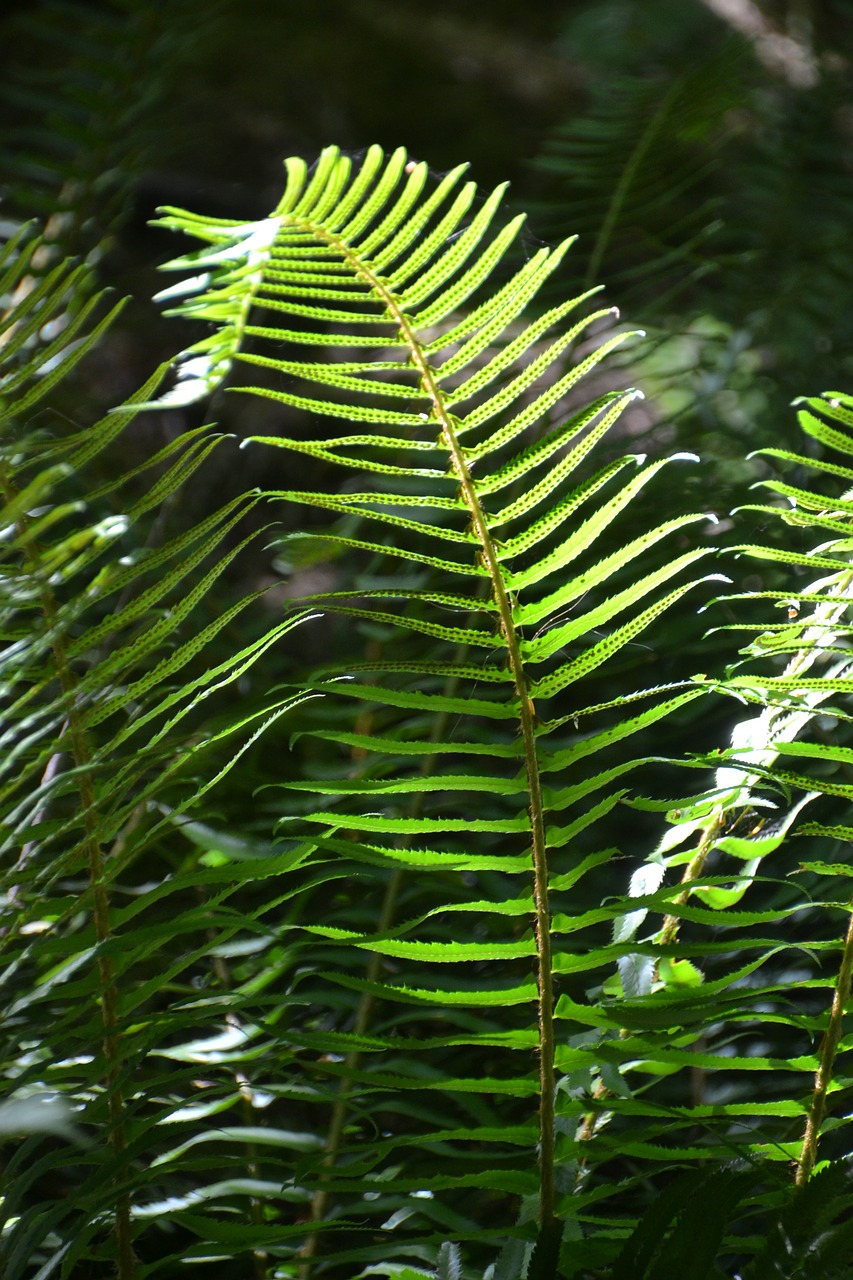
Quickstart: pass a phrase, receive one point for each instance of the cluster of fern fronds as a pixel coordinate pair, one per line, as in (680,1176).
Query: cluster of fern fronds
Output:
(394,882)
(340,971)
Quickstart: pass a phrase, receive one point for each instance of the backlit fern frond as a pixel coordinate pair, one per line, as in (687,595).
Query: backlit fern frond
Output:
(388,1011)
(499,577)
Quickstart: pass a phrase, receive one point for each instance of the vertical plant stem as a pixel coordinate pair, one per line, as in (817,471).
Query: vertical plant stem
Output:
(667,935)
(82,757)
(692,872)
(527,725)
(826,1060)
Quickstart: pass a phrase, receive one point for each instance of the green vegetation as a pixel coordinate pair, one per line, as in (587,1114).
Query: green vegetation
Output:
(381,971)
(424,817)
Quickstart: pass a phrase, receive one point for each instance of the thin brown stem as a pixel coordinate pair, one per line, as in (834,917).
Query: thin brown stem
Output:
(527,723)
(826,1061)
(692,872)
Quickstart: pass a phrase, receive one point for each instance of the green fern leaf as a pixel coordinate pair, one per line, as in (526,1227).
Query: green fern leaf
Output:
(374,266)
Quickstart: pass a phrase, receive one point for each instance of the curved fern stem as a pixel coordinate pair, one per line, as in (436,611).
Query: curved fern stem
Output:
(527,720)
(82,757)
(826,1060)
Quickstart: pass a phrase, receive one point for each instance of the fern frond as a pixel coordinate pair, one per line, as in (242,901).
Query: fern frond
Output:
(102,688)
(638,169)
(734,838)
(412,302)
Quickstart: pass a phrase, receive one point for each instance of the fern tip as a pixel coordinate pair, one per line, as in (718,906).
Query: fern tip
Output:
(192,284)
(714,577)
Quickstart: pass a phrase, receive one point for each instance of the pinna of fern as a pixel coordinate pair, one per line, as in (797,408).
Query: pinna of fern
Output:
(481,536)
(814,642)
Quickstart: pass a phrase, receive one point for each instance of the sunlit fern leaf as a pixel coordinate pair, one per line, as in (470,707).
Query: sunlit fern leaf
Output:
(450,424)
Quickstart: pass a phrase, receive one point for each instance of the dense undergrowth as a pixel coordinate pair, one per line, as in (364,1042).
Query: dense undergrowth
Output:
(366,926)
